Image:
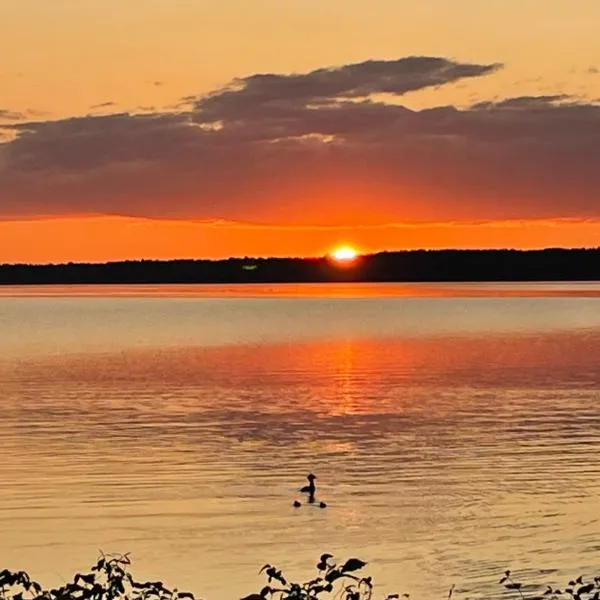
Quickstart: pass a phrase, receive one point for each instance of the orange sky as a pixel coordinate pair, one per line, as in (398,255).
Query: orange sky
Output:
(302,181)
(97,239)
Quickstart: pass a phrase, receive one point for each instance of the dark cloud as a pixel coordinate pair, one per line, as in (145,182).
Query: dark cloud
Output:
(10,115)
(521,102)
(316,148)
(102,105)
(266,94)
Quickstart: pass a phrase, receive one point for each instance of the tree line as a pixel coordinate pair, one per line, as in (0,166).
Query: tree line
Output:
(554,264)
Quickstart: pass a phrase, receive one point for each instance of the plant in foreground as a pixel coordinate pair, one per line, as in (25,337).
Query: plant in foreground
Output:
(332,581)
(577,589)
(109,579)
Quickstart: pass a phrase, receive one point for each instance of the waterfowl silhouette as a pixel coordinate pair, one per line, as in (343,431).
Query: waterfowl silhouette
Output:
(311,488)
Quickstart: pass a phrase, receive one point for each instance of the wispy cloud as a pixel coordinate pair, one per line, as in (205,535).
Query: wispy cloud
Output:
(102,105)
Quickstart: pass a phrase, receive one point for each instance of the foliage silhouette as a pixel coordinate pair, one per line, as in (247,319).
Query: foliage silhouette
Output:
(577,589)
(110,579)
(332,581)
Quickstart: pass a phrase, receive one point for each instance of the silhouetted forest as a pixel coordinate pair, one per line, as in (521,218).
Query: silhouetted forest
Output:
(420,265)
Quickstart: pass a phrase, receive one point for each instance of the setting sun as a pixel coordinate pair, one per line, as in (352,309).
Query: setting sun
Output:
(344,254)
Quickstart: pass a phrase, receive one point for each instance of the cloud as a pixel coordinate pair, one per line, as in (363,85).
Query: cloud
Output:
(332,146)
(9,115)
(525,102)
(102,105)
(269,93)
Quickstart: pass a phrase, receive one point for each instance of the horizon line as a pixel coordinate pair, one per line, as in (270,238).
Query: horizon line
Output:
(300,258)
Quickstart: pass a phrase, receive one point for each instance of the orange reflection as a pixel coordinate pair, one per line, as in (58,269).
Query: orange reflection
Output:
(587,289)
(325,379)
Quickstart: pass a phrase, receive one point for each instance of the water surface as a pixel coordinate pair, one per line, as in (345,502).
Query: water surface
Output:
(454,430)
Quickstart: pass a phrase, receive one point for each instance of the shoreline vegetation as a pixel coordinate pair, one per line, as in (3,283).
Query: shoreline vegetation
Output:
(111,579)
(552,264)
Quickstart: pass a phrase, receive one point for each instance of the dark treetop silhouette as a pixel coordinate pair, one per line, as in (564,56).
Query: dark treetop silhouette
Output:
(419,265)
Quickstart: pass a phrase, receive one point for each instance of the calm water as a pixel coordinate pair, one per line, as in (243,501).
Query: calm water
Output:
(455,431)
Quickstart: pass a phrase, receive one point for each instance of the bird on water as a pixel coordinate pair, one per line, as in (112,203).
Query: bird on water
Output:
(310,490)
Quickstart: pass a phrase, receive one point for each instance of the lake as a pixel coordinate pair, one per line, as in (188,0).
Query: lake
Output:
(454,430)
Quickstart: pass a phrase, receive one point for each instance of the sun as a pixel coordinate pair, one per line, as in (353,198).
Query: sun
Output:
(344,254)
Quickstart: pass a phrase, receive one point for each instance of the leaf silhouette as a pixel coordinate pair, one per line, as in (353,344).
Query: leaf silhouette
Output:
(333,575)
(352,564)
(89,579)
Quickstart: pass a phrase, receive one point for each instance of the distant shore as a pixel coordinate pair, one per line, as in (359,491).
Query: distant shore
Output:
(552,264)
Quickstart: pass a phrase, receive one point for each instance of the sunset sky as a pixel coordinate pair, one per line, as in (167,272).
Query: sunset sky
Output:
(212,128)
